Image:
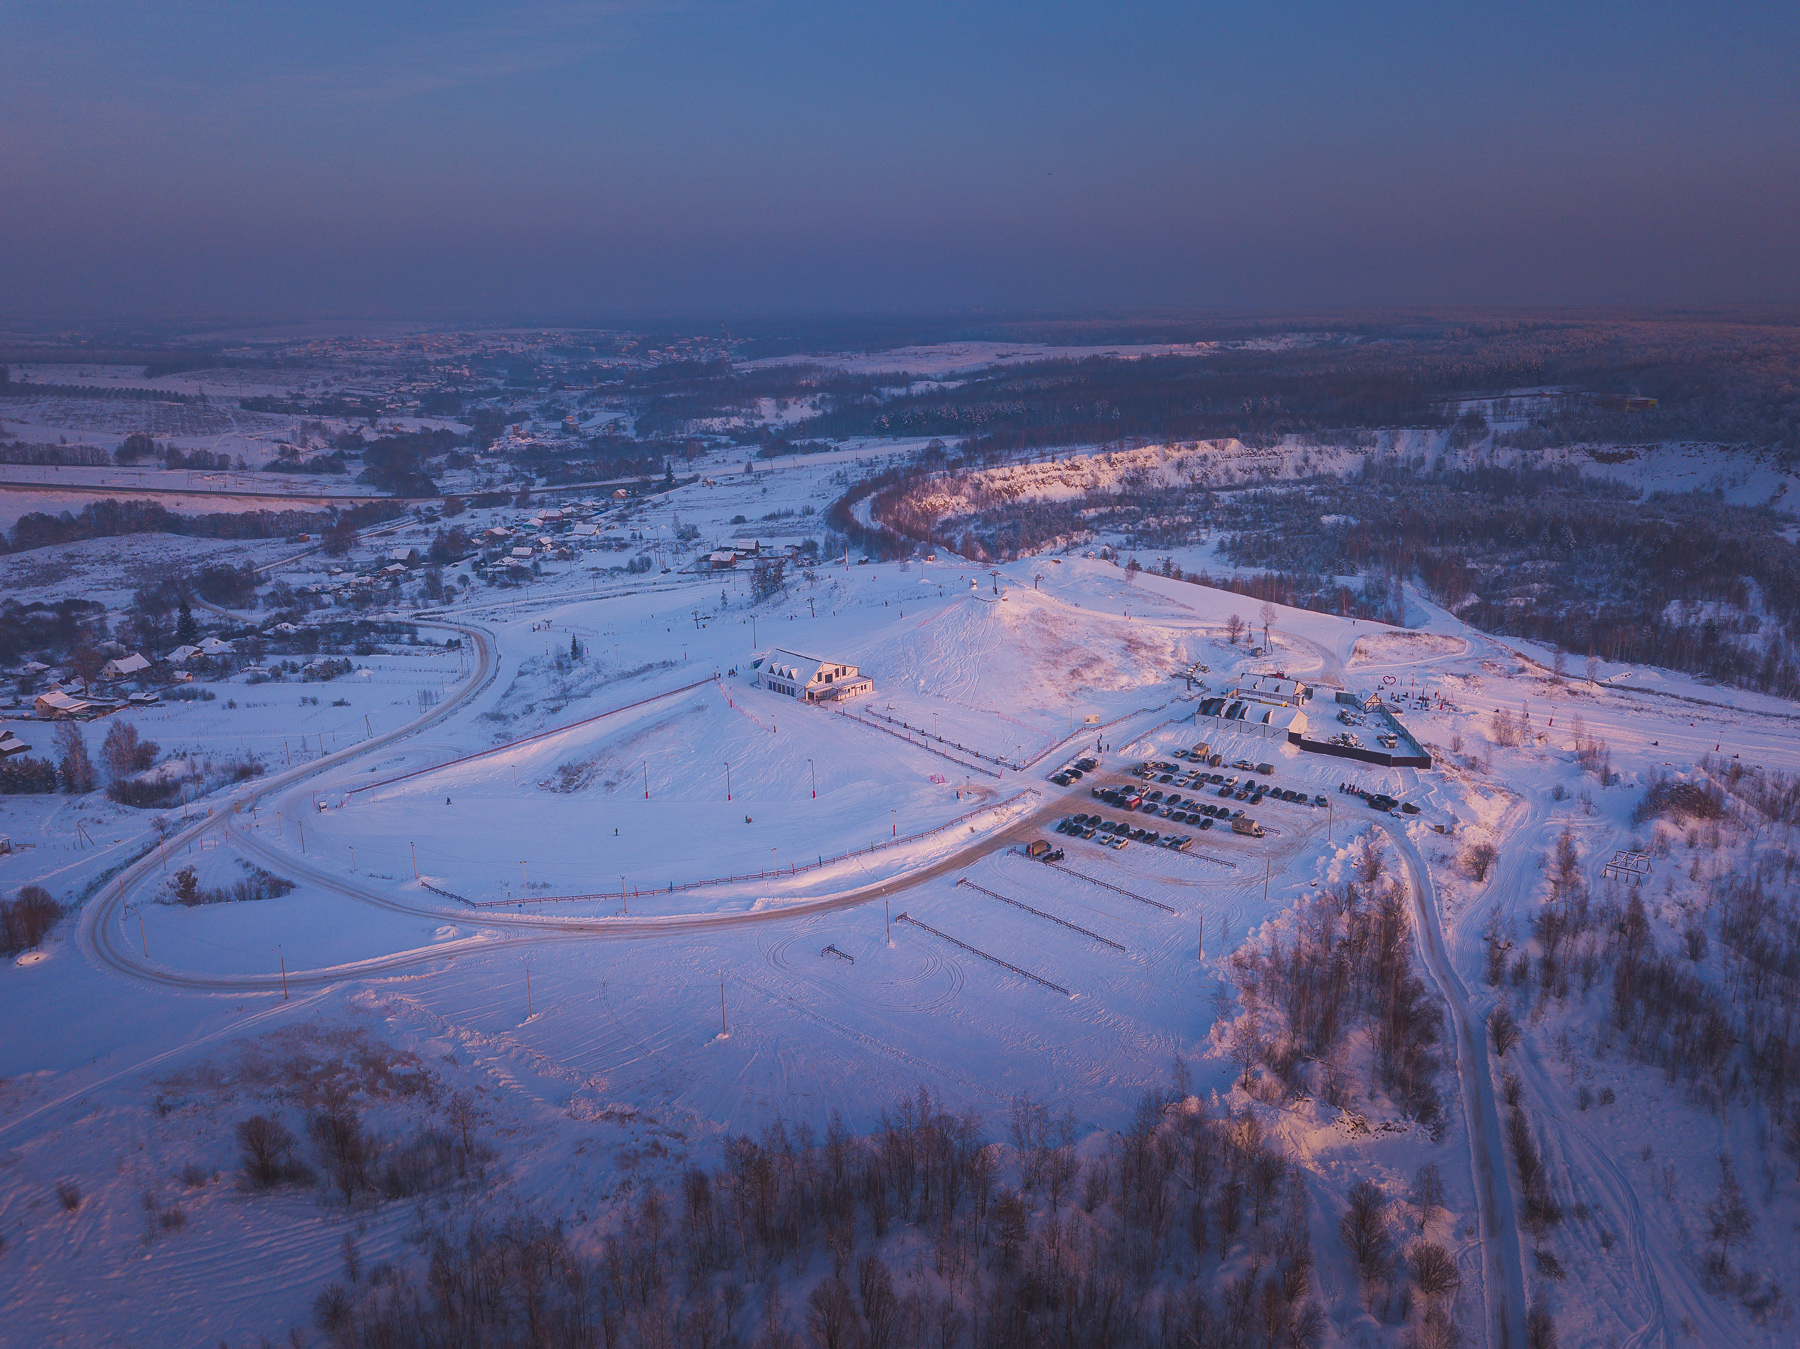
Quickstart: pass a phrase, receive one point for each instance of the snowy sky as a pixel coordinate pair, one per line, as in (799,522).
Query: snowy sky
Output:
(620,156)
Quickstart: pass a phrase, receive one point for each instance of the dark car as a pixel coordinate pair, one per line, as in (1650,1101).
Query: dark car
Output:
(1087,765)
(1206,824)
(1224,793)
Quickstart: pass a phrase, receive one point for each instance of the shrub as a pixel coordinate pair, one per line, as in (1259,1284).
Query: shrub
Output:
(25,919)
(266,1148)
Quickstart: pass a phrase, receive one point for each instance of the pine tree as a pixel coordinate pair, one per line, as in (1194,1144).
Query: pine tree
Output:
(187,632)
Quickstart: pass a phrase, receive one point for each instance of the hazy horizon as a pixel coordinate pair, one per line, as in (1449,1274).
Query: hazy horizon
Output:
(640,158)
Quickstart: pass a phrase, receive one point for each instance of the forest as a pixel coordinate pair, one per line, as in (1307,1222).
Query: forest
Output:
(110,517)
(1685,581)
(1727,378)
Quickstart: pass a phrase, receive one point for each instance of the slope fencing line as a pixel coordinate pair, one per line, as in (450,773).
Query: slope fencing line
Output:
(1005,965)
(1082,732)
(1018,765)
(794,869)
(526,740)
(860,720)
(1105,941)
(1107,885)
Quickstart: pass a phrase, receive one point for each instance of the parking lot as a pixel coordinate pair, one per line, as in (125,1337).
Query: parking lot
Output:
(1182,795)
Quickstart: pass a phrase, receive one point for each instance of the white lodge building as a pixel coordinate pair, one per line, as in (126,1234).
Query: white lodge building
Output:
(811,680)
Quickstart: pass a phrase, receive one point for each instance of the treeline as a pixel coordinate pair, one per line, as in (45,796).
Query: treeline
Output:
(670,397)
(20,388)
(1553,558)
(48,625)
(109,517)
(1344,969)
(86,456)
(1728,1041)
(1190,1228)
(1727,379)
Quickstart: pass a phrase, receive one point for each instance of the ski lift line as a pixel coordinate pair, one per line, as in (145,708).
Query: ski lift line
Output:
(1108,885)
(1107,941)
(974,951)
(540,735)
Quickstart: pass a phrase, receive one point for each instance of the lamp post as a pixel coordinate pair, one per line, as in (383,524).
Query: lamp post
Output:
(814,772)
(728,782)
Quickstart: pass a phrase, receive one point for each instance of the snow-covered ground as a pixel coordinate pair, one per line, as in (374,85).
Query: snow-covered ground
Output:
(523,921)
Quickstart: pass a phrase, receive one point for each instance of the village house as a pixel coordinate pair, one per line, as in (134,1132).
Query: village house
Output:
(124,667)
(56,704)
(811,680)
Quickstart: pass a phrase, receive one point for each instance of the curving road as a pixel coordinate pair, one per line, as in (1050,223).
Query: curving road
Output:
(101,932)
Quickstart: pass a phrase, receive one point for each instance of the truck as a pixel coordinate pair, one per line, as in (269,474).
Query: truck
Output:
(1043,850)
(1243,824)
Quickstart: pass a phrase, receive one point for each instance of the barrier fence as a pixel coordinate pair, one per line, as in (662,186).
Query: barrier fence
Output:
(1107,941)
(793,870)
(1108,885)
(975,951)
(861,720)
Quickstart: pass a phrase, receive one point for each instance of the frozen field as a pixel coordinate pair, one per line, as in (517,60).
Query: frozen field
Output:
(501,896)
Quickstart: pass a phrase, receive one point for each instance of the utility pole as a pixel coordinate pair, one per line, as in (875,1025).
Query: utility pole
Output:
(815,778)
(415,857)
(528,990)
(523,878)
(887,916)
(646,780)
(1268,870)
(622,898)
(724,1030)
(284,988)
(1200,953)
(728,779)
(143,935)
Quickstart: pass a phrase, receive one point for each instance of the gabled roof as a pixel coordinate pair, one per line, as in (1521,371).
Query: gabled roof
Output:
(121,666)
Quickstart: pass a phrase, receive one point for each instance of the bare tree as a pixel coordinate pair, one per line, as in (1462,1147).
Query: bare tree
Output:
(462,1115)
(265,1145)
(1504,1029)
(1363,1230)
(74,769)
(1268,615)
(1728,1219)
(1434,1272)
(1234,628)
(1427,1192)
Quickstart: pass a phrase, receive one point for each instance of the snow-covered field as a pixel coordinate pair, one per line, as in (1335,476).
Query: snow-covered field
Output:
(524,922)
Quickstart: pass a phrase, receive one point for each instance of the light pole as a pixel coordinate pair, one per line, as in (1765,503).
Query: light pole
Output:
(814,772)
(728,781)
(895,822)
